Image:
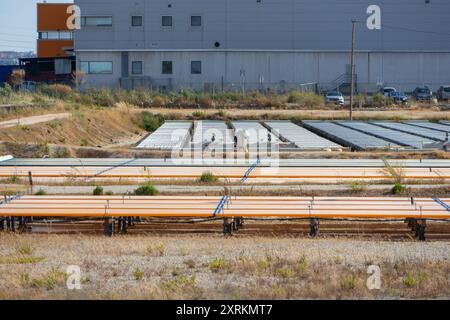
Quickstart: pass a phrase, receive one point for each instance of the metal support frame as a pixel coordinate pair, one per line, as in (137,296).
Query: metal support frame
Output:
(314,227)
(421,225)
(228,226)
(418,226)
(107,227)
(10,224)
(122,225)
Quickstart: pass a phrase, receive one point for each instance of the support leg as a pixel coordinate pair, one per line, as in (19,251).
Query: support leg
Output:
(421,226)
(314,227)
(227,227)
(107,227)
(123,225)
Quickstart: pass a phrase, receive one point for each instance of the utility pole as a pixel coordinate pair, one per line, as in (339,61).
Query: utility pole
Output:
(352,68)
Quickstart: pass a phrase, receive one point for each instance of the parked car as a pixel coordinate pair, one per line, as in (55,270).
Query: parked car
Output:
(335,97)
(422,94)
(386,91)
(398,97)
(443,93)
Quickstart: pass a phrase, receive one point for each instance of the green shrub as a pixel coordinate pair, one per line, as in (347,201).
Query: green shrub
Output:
(6,91)
(156,250)
(208,177)
(98,191)
(217,264)
(349,282)
(360,100)
(378,100)
(42,149)
(138,274)
(411,280)
(25,249)
(150,122)
(199,114)
(398,188)
(284,272)
(41,192)
(146,190)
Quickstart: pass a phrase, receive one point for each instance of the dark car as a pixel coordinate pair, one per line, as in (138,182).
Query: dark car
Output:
(422,94)
(443,93)
(398,97)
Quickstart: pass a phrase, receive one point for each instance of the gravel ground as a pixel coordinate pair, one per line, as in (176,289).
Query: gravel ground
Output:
(186,267)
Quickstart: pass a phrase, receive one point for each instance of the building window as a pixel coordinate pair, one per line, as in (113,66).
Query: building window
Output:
(166,21)
(196,21)
(56,35)
(136,67)
(98,21)
(196,67)
(136,21)
(97,67)
(167,67)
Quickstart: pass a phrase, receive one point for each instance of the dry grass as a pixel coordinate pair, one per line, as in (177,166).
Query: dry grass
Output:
(210,267)
(85,128)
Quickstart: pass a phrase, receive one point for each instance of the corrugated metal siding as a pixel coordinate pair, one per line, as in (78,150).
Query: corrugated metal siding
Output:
(269,25)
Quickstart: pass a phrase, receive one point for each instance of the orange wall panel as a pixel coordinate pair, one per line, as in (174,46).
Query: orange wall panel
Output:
(53,48)
(52,16)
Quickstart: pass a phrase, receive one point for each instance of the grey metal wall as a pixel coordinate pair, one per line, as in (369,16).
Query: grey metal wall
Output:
(268,24)
(279,43)
(279,70)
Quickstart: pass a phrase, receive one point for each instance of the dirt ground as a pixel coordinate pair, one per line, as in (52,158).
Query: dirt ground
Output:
(199,267)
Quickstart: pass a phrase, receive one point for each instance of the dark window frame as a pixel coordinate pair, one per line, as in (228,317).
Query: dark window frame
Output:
(83,21)
(141,21)
(141,63)
(171,21)
(201,21)
(166,63)
(199,67)
(97,73)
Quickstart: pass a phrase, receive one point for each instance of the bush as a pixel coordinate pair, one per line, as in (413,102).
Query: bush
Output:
(6,91)
(42,149)
(98,191)
(62,152)
(150,122)
(158,102)
(199,114)
(138,274)
(146,190)
(378,100)
(60,91)
(217,264)
(349,282)
(305,99)
(398,188)
(360,100)
(41,193)
(208,177)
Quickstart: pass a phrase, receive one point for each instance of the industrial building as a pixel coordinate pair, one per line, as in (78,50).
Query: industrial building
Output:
(261,44)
